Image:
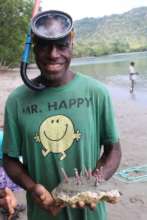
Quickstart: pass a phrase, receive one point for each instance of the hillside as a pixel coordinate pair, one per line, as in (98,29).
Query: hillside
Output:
(109,34)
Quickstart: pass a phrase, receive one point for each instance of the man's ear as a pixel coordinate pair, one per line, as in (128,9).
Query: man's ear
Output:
(34,39)
(72,37)
(72,34)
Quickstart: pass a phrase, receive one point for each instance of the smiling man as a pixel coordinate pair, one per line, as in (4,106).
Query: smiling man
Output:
(63,125)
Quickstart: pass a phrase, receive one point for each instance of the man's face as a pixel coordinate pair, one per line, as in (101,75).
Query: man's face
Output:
(53,57)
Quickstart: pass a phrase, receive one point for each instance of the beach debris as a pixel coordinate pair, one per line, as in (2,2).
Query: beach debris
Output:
(85,187)
(132,174)
(65,175)
(77,176)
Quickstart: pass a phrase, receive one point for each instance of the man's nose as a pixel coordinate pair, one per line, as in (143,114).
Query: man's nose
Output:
(53,51)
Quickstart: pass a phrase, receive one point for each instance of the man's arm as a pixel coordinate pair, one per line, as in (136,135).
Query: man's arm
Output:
(19,175)
(109,160)
(17,172)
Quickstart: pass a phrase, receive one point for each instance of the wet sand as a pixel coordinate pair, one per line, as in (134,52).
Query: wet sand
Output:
(131,114)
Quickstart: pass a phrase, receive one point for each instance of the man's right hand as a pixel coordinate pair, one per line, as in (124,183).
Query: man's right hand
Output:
(44,198)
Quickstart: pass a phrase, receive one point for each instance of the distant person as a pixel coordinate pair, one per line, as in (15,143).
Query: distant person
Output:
(132,76)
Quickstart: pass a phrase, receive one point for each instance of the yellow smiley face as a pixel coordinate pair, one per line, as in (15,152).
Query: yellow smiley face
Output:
(57,134)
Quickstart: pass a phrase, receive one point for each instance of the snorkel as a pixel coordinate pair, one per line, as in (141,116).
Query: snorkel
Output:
(26,56)
(49,26)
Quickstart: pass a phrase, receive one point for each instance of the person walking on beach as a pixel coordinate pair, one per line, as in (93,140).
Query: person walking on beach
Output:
(63,126)
(132,76)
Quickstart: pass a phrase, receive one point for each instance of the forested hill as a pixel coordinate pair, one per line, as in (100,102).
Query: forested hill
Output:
(111,34)
(94,36)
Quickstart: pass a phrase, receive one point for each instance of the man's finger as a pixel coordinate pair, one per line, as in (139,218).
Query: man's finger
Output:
(42,196)
(53,210)
(81,204)
(12,197)
(9,205)
(93,206)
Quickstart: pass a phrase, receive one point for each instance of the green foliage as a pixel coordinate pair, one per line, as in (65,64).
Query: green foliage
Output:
(112,34)
(14,21)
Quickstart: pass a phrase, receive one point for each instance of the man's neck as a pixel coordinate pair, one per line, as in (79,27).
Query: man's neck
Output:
(69,75)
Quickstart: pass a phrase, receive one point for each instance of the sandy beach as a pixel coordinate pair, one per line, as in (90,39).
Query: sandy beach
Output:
(131,115)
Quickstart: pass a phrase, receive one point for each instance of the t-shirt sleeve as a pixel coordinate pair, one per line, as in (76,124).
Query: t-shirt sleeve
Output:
(109,131)
(12,137)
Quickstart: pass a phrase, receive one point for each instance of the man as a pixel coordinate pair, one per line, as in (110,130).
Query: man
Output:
(63,126)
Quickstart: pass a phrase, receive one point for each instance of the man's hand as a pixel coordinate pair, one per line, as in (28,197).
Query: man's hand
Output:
(45,199)
(8,201)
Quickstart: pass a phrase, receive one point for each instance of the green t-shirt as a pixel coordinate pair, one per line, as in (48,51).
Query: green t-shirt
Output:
(62,127)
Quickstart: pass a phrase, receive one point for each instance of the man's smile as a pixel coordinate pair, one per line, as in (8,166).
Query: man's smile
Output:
(54,66)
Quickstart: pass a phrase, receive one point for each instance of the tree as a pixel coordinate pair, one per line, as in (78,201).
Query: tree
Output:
(14,21)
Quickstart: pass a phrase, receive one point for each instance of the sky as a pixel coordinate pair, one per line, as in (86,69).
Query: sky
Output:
(92,8)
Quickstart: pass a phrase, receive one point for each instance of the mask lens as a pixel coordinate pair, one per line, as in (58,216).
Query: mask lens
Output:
(51,25)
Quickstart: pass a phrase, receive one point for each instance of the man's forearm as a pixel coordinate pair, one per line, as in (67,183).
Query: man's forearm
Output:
(110,160)
(39,193)
(17,173)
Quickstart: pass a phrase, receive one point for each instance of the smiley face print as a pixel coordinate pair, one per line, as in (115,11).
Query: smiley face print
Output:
(56,134)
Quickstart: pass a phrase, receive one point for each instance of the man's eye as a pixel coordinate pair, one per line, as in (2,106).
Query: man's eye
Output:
(63,46)
(42,46)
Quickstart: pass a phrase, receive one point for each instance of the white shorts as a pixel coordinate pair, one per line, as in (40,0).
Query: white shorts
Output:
(133,77)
